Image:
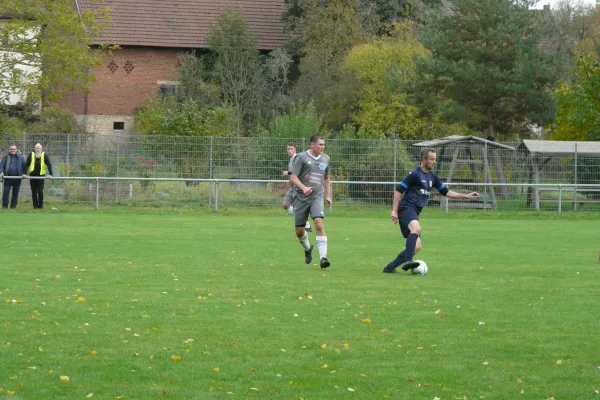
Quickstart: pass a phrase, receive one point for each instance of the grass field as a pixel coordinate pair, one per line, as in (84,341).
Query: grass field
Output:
(222,306)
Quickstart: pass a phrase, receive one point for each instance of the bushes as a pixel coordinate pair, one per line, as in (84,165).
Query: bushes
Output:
(55,120)
(374,164)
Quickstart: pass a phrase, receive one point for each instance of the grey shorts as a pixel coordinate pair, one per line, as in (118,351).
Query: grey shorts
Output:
(312,207)
(289,196)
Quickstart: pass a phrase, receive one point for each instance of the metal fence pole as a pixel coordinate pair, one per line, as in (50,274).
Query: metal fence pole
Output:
(97,192)
(559,199)
(68,148)
(395,158)
(575,176)
(117,169)
(210,169)
(216,196)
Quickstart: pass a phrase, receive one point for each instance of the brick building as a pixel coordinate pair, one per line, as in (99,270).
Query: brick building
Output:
(151,33)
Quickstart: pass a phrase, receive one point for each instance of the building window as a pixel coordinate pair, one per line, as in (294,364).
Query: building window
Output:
(118,126)
(167,88)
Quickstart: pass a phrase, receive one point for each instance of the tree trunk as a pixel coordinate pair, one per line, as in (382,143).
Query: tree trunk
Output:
(496,154)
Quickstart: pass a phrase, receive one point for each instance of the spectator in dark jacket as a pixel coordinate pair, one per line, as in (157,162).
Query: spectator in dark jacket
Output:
(38,163)
(12,165)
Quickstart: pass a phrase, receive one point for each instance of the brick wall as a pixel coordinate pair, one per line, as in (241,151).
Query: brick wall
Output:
(125,80)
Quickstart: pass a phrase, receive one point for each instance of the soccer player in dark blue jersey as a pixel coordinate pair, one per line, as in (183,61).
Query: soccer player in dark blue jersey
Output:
(411,195)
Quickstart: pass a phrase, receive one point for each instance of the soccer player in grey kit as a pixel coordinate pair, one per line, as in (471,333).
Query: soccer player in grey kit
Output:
(288,199)
(310,177)
(411,195)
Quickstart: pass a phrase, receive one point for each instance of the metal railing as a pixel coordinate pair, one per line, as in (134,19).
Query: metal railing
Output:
(216,193)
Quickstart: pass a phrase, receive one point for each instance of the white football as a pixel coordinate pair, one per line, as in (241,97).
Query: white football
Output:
(421,269)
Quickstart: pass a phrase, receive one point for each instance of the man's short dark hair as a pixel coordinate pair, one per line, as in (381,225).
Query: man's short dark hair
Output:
(425,152)
(315,138)
(291,145)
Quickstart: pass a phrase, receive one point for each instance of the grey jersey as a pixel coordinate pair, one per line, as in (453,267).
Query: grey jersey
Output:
(291,163)
(311,171)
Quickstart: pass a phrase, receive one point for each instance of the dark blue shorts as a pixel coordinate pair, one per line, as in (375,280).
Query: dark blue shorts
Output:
(405,215)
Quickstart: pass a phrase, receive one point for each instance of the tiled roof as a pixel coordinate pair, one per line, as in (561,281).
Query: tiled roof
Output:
(185,23)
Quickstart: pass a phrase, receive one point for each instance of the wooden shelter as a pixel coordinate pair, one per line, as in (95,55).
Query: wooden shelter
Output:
(542,152)
(475,153)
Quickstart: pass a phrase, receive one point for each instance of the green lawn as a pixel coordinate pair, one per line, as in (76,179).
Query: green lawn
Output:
(222,306)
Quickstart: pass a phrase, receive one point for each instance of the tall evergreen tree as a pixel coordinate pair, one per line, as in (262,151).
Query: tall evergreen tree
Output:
(487,57)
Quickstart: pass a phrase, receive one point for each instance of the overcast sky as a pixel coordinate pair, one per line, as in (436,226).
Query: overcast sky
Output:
(553,3)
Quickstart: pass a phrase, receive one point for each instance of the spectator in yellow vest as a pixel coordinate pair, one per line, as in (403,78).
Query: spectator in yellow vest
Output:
(37,164)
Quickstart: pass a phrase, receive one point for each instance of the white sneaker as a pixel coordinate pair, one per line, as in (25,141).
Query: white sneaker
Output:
(307,227)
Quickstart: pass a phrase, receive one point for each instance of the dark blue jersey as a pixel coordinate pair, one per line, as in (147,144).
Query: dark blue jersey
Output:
(416,188)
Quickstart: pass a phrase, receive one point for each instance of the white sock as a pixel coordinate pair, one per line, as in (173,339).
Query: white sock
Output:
(304,241)
(322,245)
(291,210)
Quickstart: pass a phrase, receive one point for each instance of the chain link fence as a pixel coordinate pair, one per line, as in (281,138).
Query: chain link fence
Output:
(184,171)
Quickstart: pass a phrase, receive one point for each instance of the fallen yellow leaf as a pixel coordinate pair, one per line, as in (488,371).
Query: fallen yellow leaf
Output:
(64,378)
(175,358)
(367,320)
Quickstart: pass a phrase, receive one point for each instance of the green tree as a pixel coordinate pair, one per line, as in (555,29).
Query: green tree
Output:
(195,83)
(55,120)
(579,103)
(375,16)
(298,122)
(247,81)
(45,48)
(167,117)
(383,68)
(486,58)
(327,33)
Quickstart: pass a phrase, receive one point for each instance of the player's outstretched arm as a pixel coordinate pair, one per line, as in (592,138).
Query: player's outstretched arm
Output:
(467,196)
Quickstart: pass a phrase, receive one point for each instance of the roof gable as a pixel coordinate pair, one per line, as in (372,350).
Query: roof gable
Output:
(461,139)
(185,23)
